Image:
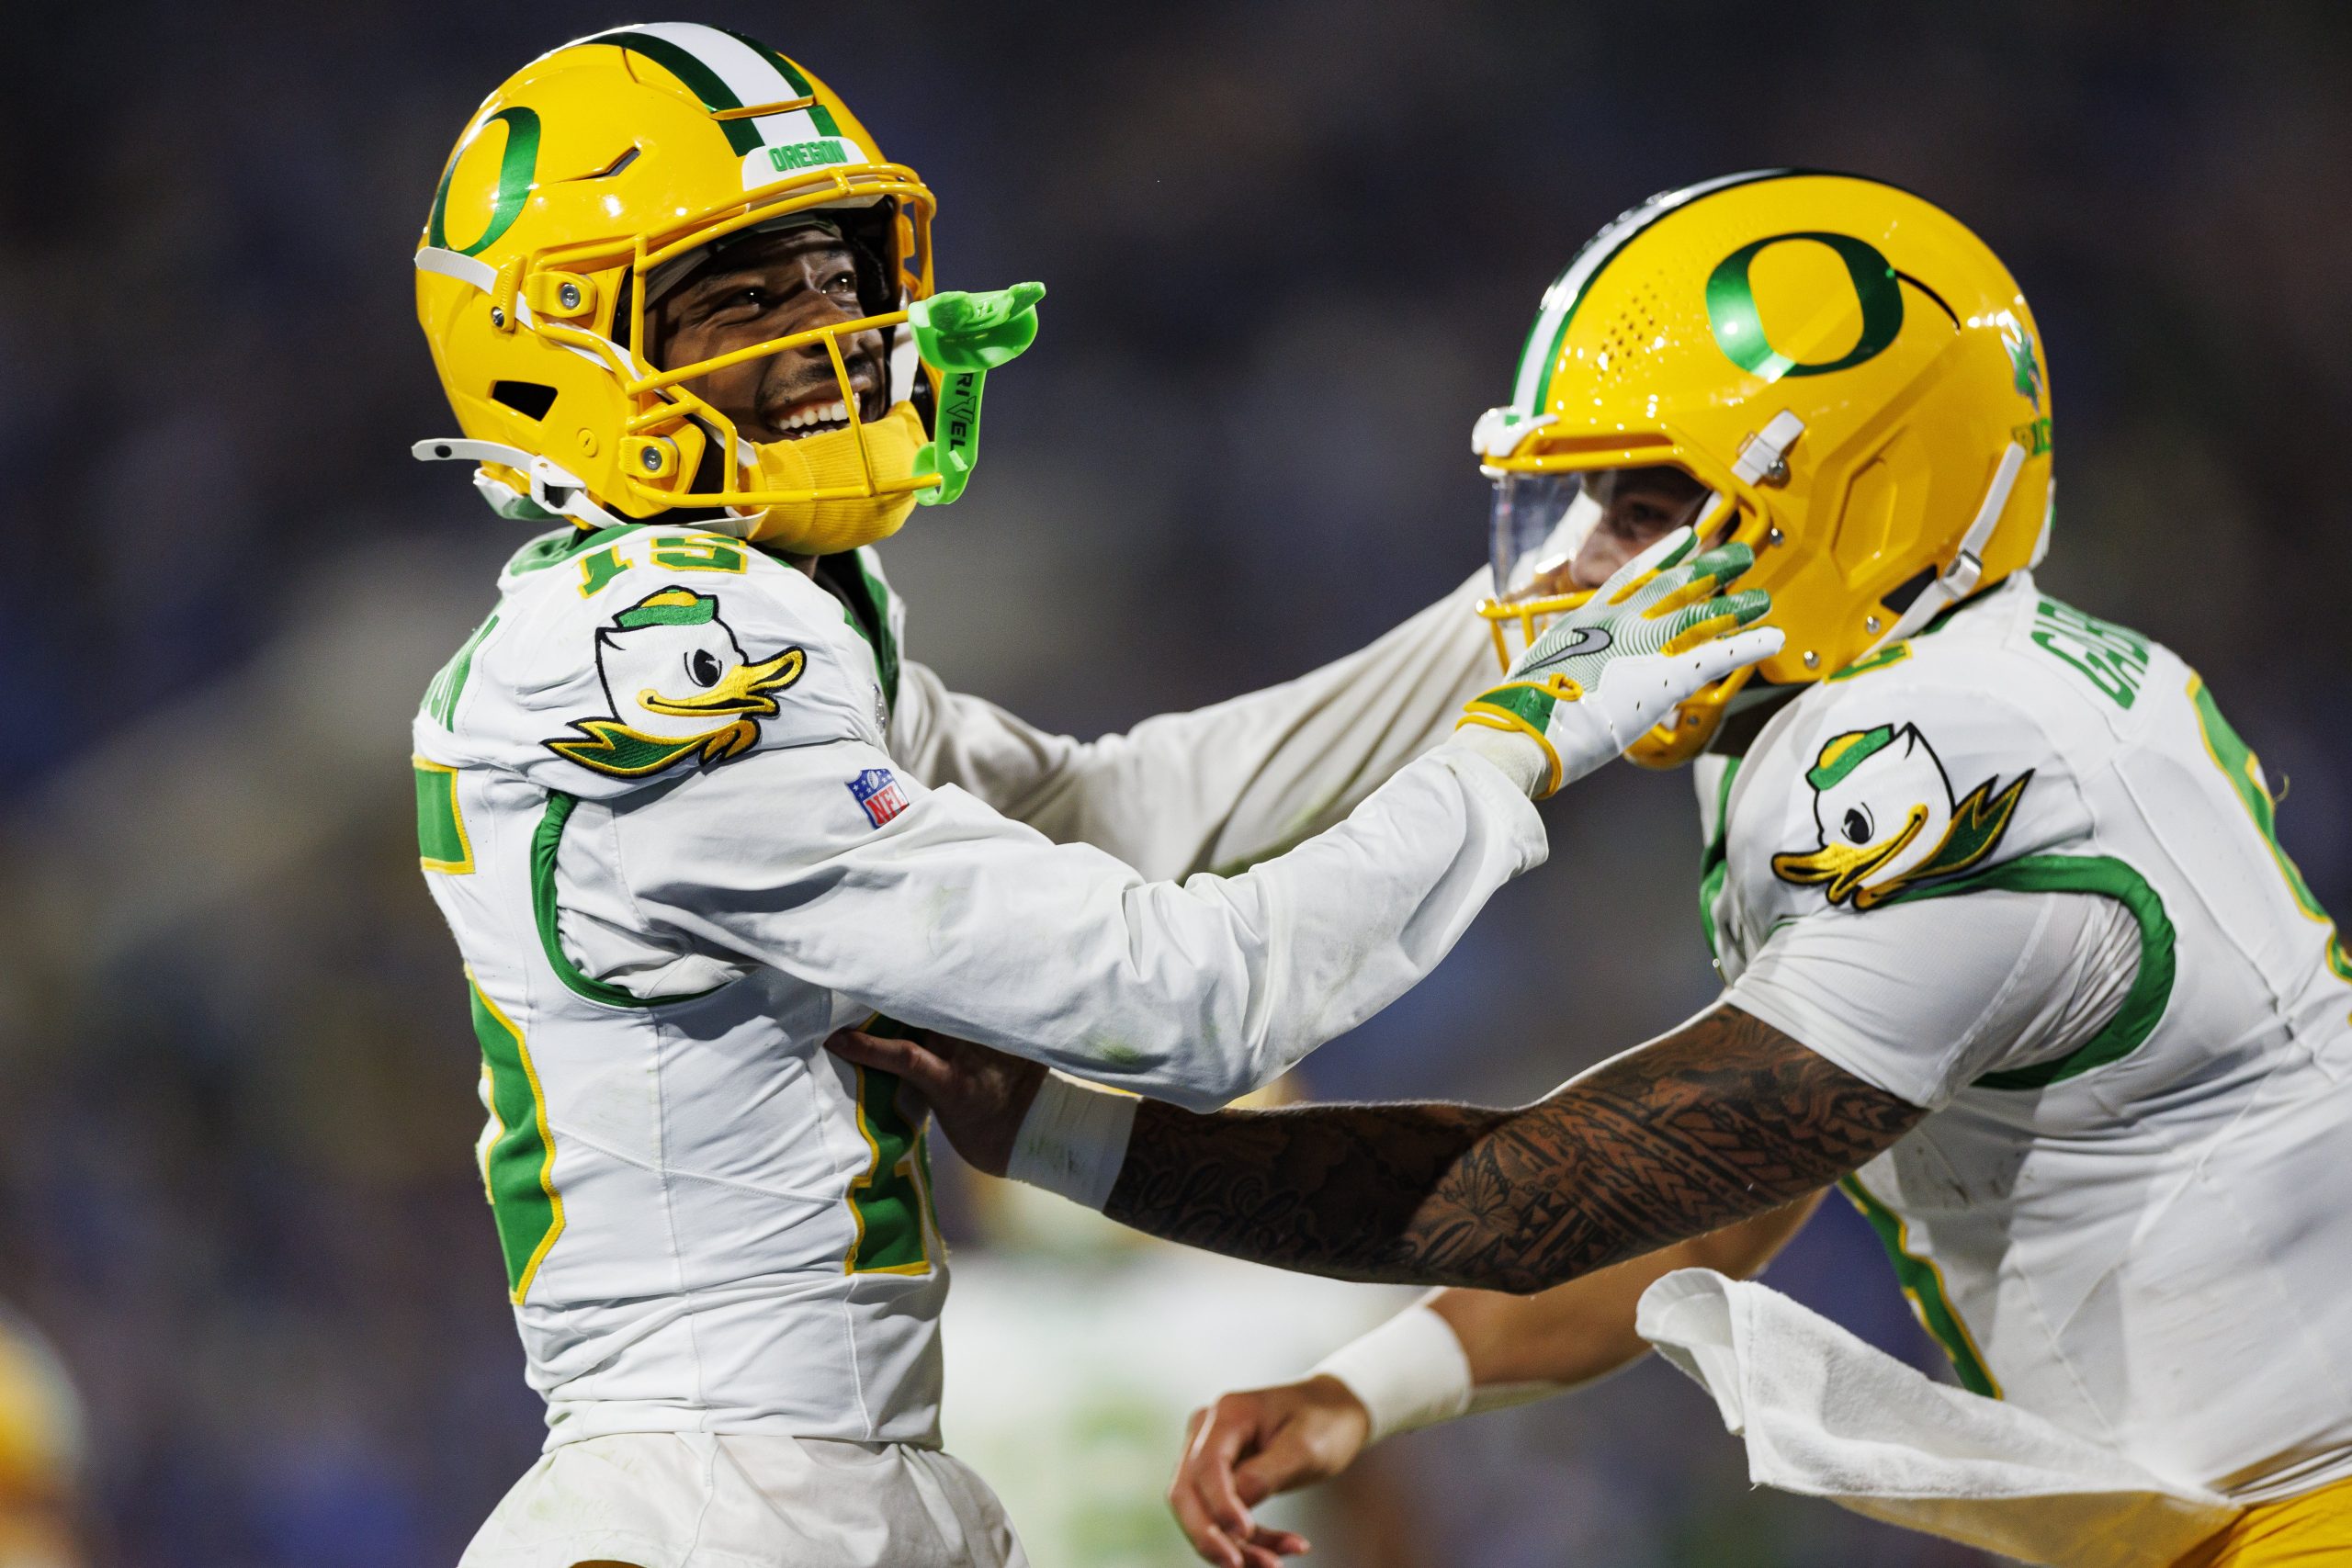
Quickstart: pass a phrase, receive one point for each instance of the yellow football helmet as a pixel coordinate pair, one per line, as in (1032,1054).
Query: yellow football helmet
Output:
(574,186)
(1851,375)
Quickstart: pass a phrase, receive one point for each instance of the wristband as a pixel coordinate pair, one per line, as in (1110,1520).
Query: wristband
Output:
(1410,1372)
(1519,755)
(1073,1140)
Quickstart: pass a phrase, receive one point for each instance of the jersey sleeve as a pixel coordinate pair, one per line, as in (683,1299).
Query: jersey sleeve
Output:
(930,906)
(1221,786)
(1893,895)
(1923,1000)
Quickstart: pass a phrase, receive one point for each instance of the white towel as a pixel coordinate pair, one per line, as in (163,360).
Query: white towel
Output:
(1827,1416)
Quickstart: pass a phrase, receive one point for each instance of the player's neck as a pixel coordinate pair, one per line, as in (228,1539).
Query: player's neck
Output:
(1751,710)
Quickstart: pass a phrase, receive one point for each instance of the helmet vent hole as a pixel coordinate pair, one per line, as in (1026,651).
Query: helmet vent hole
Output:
(1633,333)
(530,399)
(627,157)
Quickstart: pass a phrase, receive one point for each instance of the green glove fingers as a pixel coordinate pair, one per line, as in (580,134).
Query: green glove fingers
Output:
(965,336)
(1710,618)
(1724,563)
(1696,578)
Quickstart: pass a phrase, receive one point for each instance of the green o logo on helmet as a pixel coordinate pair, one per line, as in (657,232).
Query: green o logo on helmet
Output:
(1739,329)
(517,164)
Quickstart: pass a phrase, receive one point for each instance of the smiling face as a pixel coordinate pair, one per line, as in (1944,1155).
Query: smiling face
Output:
(766,287)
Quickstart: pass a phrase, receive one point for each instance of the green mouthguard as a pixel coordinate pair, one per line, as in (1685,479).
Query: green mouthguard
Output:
(965,336)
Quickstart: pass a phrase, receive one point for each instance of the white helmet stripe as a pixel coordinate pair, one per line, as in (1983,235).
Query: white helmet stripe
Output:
(748,74)
(1560,301)
(753,79)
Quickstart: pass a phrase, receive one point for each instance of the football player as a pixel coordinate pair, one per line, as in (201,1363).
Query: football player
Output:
(2011,953)
(688,810)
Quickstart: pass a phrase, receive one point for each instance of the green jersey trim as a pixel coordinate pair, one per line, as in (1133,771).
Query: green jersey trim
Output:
(866,607)
(886,648)
(888,1201)
(1923,1284)
(441,696)
(1716,863)
(442,843)
(517,1150)
(2244,769)
(556,548)
(545,842)
(2143,1005)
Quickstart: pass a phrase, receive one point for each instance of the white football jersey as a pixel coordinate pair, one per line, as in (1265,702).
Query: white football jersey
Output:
(2019,871)
(686,815)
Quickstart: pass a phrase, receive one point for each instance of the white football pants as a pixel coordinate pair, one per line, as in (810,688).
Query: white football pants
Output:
(698,1500)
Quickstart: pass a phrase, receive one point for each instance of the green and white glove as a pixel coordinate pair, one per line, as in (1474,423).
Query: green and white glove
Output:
(1603,673)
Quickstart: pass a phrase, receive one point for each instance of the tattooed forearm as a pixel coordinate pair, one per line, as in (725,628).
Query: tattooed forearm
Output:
(1724,1118)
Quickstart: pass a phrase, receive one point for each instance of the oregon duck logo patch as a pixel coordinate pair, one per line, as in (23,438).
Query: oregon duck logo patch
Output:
(676,684)
(1884,810)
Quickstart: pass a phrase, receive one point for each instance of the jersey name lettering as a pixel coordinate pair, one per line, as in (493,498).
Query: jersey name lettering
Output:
(2114,660)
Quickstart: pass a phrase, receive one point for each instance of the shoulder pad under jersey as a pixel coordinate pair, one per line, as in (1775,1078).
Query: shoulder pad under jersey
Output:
(624,657)
(1932,761)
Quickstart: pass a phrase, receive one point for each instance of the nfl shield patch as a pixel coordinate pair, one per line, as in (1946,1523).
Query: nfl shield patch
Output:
(879,793)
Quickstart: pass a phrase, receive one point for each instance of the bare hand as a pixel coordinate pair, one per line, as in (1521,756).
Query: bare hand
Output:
(1248,1446)
(978,1095)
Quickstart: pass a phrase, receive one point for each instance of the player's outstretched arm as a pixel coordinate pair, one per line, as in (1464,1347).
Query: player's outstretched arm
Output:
(1225,787)
(1455,1353)
(1200,991)
(1603,673)
(1703,1147)
(1218,787)
(1722,1119)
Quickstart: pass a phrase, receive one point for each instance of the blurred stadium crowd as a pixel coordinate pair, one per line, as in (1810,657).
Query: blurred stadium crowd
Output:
(1292,249)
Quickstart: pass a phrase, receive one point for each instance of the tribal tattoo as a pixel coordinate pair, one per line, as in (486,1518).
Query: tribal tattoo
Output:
(1725,1117)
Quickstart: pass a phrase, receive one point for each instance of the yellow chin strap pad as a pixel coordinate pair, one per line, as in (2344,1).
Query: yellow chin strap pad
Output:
(829,461)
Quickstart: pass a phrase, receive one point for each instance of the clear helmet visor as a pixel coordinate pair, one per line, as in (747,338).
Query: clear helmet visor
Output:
(1540,523)
(1535,526)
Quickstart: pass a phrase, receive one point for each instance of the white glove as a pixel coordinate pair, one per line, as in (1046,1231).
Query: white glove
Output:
(1603,673)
